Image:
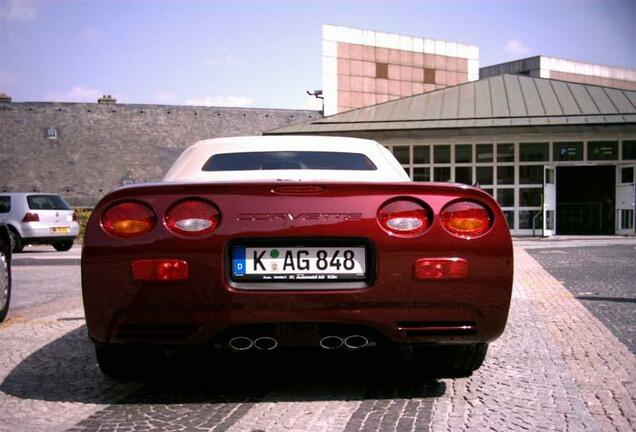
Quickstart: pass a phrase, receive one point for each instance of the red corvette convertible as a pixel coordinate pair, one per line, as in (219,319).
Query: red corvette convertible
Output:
(262,243)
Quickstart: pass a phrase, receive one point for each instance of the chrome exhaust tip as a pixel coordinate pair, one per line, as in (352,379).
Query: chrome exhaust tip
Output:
(331,342)
(265,343)
(241,343)
(356,342)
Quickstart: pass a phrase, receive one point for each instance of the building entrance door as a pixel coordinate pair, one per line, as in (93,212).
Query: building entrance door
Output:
(586,199)
(549,201)
(625,199)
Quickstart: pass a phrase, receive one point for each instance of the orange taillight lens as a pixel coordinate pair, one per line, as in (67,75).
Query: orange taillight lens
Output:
(404,217)
(128,219)
(192,218)
(466,219)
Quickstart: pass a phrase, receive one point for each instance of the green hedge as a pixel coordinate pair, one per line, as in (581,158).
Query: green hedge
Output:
(83,213)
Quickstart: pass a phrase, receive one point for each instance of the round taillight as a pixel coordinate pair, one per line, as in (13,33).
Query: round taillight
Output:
(192,218)
(128,219)
(404,217)
(466,219)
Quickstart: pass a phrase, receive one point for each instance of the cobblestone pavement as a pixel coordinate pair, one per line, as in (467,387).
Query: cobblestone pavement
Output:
(555,368)
(603,279)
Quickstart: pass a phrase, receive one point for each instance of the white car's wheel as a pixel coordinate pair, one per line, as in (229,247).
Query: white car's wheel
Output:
(5,286)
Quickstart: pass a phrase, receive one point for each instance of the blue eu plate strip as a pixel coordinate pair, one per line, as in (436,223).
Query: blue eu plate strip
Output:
(238,261)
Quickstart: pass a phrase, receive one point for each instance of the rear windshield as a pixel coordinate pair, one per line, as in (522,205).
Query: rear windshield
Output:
(47,202)
(289,160)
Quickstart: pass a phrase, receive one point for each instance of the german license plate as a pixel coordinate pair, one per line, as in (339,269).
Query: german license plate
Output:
(301,264)
(61,230)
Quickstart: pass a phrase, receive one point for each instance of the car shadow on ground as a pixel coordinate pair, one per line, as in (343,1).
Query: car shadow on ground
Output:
(65,370)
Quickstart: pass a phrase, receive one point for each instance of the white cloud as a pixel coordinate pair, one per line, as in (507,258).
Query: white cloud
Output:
(164,97)
(226,101)
(516,48)
(77,94)
(18,10)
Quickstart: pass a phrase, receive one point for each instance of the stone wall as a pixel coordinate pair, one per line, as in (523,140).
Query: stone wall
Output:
(99,147)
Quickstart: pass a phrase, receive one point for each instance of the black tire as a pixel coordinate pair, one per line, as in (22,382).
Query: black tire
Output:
(63,246)
(5,285)
(123,362)
(451,361)
(16,241)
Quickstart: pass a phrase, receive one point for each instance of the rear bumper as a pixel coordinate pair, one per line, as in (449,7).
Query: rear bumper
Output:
(204,309)
(34,232)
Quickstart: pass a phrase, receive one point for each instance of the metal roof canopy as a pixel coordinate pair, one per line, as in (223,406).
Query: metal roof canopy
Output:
(499,101)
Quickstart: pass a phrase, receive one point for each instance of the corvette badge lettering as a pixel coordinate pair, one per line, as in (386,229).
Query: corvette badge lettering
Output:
(299,216)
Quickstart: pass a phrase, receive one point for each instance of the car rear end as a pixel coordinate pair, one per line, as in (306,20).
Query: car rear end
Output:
(263,265)
(47,218)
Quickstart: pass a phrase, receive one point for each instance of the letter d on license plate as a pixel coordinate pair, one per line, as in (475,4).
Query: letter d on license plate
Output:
(320,264)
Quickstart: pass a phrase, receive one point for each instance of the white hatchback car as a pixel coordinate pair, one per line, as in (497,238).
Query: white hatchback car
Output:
(38,218)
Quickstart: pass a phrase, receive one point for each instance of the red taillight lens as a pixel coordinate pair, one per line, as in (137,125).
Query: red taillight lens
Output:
(440,268)
(159,270)
(75,216)
(129,219)
(192,218)
(466,219)
(31,217)
(404,217)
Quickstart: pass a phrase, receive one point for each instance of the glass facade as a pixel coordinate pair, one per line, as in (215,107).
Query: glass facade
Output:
(512,172)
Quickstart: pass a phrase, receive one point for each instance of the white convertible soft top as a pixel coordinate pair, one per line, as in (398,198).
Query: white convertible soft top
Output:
(189,166)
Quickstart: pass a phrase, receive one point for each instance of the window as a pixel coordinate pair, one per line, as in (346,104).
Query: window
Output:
(5,204)
(505,152)
(505,175)
(627,175)
(530,197)
(534,152)
(442,174)
(526,218)
(506,197)
(421,174)
(568,151)
(531,174)
(464,175)
(441,154)
(484,175)
(51,133)
(602,150)
(401,153)
(382,70)
(47,202)
(463,153)
(421,154)
(484,153)
(629,150)
(627,219)
(429,76)
(510,218)
(289,160)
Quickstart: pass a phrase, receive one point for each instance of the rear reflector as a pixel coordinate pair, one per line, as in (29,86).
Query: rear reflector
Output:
(403,217)
(31,217)
(466,219)
(160,270)
(128,219)
(192,217)
(440,268)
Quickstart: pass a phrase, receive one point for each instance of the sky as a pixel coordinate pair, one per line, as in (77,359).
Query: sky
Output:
(268,53)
